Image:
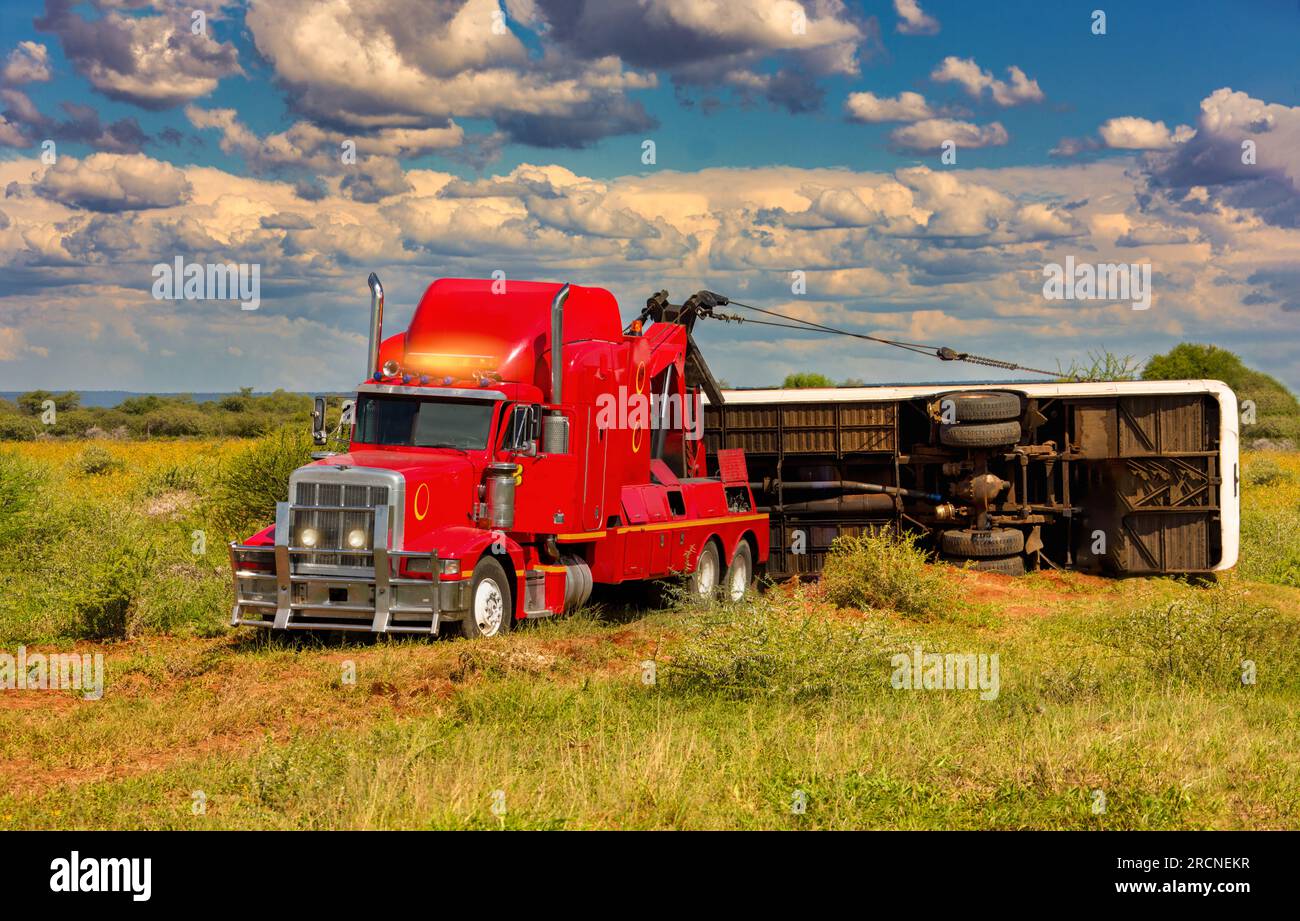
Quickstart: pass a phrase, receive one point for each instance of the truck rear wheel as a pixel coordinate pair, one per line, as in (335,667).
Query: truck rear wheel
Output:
(987,435)
(983,405)
(990,543)
(490,611)
(740,574)
(703,584)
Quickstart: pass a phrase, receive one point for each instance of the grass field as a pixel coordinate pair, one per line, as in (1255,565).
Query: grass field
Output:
(1118,704)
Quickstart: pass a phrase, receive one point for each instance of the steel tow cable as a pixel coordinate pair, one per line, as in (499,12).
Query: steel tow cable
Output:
(941,352)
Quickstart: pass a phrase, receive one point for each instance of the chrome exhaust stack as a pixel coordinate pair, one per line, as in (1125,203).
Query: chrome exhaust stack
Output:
(557,342)
(376,323)
(555,425)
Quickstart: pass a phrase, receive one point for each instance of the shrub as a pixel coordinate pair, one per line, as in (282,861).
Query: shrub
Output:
(1203,636)
(806,379)
(100,570)
(1270,545)
(17,428)
(20,490)
(97,461)
(887,571)
(761,650)
(250,484)
(1264,471)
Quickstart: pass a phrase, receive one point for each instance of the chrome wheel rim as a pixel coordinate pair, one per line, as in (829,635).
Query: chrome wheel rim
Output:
(489,607)
(739,580)
(707,575)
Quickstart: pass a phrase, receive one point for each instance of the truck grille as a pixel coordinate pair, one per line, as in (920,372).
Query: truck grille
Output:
(334,510)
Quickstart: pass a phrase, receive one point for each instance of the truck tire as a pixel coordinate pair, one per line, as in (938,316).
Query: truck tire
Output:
(983,405)
(705,579)
(988,435)
(1007,565)
(982,544)
(740,574)
(490,611)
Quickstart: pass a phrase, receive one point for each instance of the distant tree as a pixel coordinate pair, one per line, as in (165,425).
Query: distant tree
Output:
(1189,361)
(806,379)
(1275,409)
(33,402)
(139,406)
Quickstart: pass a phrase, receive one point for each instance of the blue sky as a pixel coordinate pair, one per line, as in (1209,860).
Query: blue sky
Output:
(509,136)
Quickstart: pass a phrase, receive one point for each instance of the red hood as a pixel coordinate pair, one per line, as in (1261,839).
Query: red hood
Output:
(441,485)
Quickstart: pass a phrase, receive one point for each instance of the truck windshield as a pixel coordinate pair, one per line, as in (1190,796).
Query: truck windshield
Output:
(415,422)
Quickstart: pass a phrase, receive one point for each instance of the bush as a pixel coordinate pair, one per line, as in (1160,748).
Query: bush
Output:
(1264,471)
(100,569)
(886,571)
(1270,546)
(97,461)
(20,491)
(250,484)
(1201,637)
(760,650)
(806,379)
(17,428)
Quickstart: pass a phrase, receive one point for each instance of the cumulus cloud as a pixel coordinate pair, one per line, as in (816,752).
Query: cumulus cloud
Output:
(931,133)
(1242,156)
(906,107)
(155,62)
(114,182)
(1132,133)
(29,62)
(965,72)
(417,64)
(366,163)
(912,20)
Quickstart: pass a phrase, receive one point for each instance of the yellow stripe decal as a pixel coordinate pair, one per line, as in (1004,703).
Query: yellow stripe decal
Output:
(658,526)
(699,522)
(581,535)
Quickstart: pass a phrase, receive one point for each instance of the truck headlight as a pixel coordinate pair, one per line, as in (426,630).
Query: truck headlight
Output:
(357,539)
(308,537)
(450,567)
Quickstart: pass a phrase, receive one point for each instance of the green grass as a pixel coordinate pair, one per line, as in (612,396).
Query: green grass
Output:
(1132,688)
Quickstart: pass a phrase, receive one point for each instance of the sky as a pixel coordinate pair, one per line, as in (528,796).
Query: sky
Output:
(907,169)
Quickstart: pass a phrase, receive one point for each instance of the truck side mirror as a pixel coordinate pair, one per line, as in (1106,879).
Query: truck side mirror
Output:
(318,422)
(523,431)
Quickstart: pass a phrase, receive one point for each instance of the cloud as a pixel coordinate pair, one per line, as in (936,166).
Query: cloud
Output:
(931,133)
(366,163)
(83,126)
(870,108)
(114,182)
(1241,158)
(912,20)
(155,62)
(1132,133)
(29,62)
(966,73)
(417,64)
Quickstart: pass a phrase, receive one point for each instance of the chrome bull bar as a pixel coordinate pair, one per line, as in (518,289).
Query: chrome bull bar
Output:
(269,593)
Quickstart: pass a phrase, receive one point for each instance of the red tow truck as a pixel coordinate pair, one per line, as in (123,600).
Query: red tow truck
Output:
(512,448)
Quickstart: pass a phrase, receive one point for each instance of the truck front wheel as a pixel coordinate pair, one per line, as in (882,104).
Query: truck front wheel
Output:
(490,612)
